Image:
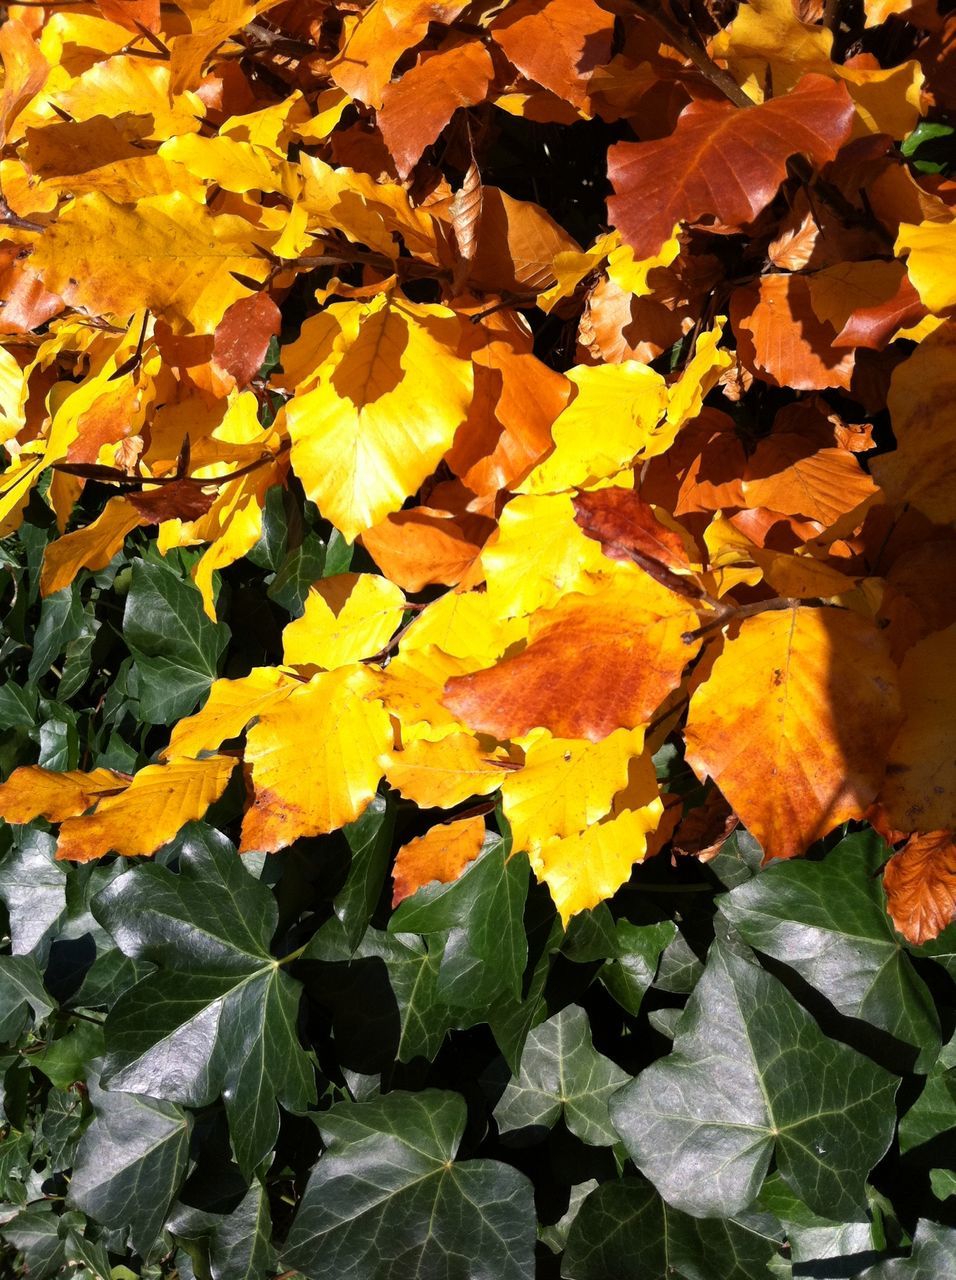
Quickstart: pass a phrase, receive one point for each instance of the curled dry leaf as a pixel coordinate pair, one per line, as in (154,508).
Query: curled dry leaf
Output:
(920,883)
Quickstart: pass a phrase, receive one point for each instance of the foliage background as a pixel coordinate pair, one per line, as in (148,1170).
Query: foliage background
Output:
(240,1067)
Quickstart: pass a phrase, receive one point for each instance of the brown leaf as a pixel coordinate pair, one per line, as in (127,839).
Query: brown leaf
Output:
(440,854)
(781,340)
(594,664)
(627,528)
(465,212)
(865,302)
(181,500)
(517,244)
(920,883)
(416,108)
(722,161)
(703,832)
(786,474)
(243,334)
(556,43)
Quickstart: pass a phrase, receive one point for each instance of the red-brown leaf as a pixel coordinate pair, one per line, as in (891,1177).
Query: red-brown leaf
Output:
(920,884)
(242,336)
(722,161)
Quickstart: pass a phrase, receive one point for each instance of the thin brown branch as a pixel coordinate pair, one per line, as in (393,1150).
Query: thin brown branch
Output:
(694,52)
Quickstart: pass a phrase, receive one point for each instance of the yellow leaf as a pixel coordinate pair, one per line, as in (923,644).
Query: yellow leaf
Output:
(137,86)
(922,468)
(540,556)
(166,253)
(32,792)
(583,870)
(316,759)
(687,394)
(627,399)
(232,165)
(631,274)
(931,261)
(566,785)
(794,723)
(440,854)
(439,775)
(919,793)
(347,617)
(570,266)
(385,408)
(160,800)
(768,34)
(90,548)
(231,705)
(465,624)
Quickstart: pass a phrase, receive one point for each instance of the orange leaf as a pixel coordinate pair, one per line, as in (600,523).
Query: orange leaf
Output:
(794,723)
(780,339)
(143,817)
(920,883)
(242,336)
(594,664)
(627,529)
(423,546)
(89,548)
(722,161)
(25,71)
(32,792)
(440,854)
(556,43)
(417,107)
(823,484)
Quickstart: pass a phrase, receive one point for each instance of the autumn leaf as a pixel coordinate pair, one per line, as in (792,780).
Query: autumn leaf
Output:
(354,447)
(920,883)
(315,759)
(794,723)
(722,162)
(593,664)
(440,854)
(158,802)
(31,792)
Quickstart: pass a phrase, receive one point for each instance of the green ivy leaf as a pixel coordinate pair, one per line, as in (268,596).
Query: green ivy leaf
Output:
(828,921)
(562,1073)
(933,1257)
(481,912)
(219,1015)
(751,1075)
(33,885)
(130,1162)
(175,646)
(388,1200)
(631,970)
(625,1230)
(236,1245)
(370,840)
(21,991)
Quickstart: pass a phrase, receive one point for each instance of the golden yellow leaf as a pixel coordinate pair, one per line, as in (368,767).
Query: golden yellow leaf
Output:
(687,394)
(627,399)
(92,547)
(316,759)
(347,617)
(540,556)
(465,624)
(583,870)
(919,793)
(922,468)
(794,723)
(385,407)
(125,84)
(160,800)
(33,792)
(930,250)
(231,705)
(566,784)
(440,854)
(439,775)
(230,164)
(166,253)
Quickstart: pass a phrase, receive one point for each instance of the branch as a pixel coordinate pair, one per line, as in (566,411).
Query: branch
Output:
(694,52)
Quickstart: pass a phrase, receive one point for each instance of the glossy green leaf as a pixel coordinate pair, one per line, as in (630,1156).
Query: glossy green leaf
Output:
(33,886)
(828,921)
(21,992)
(219,1014)
(175,645)
(752,1076)
(234,1246)
(638,949)
(562,1074)
(388,1200)
(933,1257)
(626,1231)
(486,949)
(130,1163)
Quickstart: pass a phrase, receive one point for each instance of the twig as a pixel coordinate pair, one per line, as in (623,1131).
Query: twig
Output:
(694,52)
